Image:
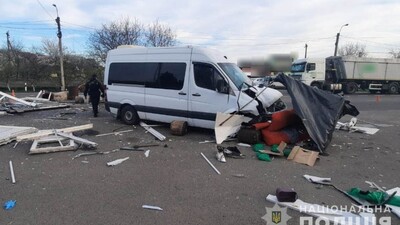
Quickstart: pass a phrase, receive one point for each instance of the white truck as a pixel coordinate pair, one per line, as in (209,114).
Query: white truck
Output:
(349,74)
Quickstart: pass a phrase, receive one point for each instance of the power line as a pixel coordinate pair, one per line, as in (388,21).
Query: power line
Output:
(45,9)
(372,41)
(25,28)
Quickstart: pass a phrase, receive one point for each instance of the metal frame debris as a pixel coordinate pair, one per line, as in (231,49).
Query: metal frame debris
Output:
(155,133)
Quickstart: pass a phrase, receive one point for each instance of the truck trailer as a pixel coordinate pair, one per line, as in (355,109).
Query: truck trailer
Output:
(349,74)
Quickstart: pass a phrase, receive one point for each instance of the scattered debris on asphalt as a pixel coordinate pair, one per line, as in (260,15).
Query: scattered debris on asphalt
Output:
(117,161)
(44,133)
(27,104)
(303,156)
(147,153)
(9,204)
(114,133)
(10,133)
(63,137)
(208,161)
(152,207)
(12,172)
(155,133)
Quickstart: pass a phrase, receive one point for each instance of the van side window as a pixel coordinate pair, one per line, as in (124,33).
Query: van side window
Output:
(153,75)
(129,73)
(206,76)
(170,76)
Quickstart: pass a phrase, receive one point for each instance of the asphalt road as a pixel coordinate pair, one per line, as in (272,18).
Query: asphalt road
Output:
(56,189)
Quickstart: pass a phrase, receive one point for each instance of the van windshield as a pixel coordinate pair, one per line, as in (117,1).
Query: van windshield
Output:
(298,67)
(235,74)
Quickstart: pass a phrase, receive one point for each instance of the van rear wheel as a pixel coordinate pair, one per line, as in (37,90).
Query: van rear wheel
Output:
(129,115)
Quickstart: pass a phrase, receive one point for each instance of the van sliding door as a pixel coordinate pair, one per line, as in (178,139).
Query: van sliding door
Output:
(166,96)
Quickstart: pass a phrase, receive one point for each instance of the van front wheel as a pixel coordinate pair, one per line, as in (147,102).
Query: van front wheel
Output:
(129,115)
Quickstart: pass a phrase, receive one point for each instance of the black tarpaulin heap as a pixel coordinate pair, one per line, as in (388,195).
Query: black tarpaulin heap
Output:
(319,110)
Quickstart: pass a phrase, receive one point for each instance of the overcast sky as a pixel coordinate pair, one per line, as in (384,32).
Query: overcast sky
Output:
(238,28)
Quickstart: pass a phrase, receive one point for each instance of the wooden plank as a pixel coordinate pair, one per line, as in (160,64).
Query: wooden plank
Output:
(45,133)
(18,100)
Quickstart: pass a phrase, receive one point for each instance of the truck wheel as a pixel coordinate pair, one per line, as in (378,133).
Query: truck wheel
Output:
(350,88)
(129,115)
(317,85)
(393,88)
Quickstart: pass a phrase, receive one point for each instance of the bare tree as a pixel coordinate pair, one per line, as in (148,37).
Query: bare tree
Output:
(50,48)
(395,53)
(353,49)
(159,35)
(122,32)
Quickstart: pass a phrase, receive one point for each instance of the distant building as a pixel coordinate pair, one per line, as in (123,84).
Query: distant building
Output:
(273,64)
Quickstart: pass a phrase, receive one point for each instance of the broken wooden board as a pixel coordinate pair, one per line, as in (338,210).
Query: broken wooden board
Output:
(44,133)
(303,156)
(35,149)
(10,133)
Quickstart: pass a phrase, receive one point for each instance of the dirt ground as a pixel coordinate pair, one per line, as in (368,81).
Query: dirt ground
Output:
(54,188)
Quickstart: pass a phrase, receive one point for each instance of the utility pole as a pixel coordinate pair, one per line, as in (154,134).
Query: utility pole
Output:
(305,53)
(59,35)
(337,38)
(10,62)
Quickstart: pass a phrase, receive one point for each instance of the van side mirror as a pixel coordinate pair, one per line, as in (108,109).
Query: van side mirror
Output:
(222,87)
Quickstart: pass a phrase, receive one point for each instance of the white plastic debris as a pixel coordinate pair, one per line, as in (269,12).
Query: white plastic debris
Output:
(208,161)
(12,172)
(152,207)
(317,179)
(220,157)
(116,162)
(147,153)
(244,145)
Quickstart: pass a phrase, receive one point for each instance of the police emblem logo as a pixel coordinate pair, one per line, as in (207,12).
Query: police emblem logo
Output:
(276,216)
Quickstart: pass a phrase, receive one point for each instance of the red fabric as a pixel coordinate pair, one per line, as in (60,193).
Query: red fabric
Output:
(260,126)
(274,137)
(282,119)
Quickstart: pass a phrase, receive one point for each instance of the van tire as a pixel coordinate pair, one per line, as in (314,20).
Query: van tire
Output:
(129,115)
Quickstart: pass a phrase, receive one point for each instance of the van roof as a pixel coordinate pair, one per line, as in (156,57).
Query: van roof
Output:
(134,49)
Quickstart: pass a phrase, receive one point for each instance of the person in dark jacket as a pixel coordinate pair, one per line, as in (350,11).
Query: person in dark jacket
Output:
(94,87)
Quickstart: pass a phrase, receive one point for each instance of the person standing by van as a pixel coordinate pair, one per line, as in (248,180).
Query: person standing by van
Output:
(94,87)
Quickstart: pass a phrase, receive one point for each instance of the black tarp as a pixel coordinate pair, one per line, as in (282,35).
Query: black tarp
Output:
(319,110)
